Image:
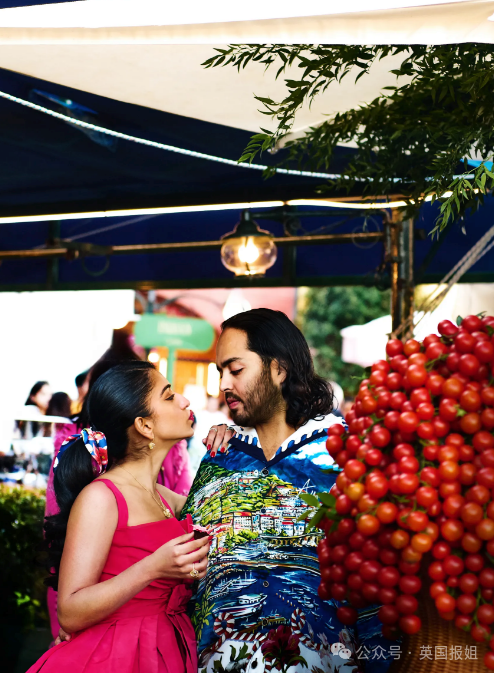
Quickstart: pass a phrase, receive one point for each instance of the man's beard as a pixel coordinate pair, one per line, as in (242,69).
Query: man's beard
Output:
(260,403)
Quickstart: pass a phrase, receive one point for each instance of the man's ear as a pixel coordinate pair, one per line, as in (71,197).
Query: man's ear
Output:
(278,372)
(144,427)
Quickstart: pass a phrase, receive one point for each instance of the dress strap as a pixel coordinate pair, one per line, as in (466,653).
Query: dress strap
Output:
(164,501)
(123,510)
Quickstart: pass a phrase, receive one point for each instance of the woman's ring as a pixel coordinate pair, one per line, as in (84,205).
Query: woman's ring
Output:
(194,573)
(215,429)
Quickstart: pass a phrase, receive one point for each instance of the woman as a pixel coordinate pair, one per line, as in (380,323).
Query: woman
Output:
(39,397)
(121,562)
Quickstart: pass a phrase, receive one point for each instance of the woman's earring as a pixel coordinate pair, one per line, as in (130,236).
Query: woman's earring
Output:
(151,445)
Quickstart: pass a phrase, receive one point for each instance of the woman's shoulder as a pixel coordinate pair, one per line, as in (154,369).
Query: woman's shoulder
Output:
(96,498)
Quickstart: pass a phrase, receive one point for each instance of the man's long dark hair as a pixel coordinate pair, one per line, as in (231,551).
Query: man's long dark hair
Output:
(273,336)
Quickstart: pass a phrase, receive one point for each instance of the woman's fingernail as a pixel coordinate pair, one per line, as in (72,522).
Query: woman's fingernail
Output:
(209,447)
(222,449)
(213,454)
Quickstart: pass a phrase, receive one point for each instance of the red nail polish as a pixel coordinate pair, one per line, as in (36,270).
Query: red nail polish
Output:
(209,447)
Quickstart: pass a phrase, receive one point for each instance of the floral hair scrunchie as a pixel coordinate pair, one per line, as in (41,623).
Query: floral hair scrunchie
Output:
(95,443)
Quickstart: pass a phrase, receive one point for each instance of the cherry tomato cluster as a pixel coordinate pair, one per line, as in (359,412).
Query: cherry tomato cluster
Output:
(415,494)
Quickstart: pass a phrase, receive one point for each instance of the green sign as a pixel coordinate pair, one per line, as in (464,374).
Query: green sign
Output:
(190,334)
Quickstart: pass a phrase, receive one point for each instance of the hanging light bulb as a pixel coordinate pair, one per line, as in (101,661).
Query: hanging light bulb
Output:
(248,250)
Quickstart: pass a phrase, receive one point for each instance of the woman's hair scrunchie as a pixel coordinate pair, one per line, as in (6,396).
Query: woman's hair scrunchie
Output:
(95,443)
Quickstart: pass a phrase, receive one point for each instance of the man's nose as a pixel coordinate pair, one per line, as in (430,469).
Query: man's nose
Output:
(225,383)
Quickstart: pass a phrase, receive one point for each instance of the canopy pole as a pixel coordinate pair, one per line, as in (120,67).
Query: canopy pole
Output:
(402,273)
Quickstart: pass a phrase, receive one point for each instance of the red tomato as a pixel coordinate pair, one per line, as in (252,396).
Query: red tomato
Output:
(389,576)
(445,603)
(416,375)
(407,604)
(453,565)
(471,513)
(479,494)
(408,483)
(388,614)
(487,396)
(486,578)
(466,603)
(426,495)
(368,524)
(487,418)
(417,359)
(482,441)
(430,475)
(386,512)
(435,384)
(472,323)
(452,530)
(411,346)
(354,469)
(471,423)
(347,615)
(474,562)
(470,400)
(464,342)
(484,351)
(449,470)
(485,529)
(448,408)
(397,400)
(417,521)
(452,361)
(410,624)
(447,328)
(485,614)
(380,436)
(441,427)
(410,584)
(378,487)
(448,453)
(437,588)
(480,633)
(408,422)
(387,595)
(468,364)
(394,347)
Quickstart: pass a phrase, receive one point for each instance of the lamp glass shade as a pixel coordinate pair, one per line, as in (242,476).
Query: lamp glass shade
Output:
(248,250)
(248,255)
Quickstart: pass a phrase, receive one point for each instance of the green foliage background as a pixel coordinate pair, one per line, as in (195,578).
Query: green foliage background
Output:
(22,591)
(327,311)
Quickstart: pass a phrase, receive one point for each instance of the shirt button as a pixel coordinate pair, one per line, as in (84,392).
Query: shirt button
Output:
(265,583)
(265,472)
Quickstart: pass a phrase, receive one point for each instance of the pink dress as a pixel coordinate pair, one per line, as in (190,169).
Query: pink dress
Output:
(174,474)
(150,633)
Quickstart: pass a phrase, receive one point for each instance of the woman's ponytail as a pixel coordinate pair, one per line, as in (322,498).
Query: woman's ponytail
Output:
(73,473)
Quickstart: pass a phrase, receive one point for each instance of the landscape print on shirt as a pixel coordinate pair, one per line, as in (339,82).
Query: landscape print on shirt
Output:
(263,568)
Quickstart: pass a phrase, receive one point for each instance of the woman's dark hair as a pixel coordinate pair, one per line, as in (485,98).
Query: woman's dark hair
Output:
(29,402)
(116,399)
(59,405)
(34,391)
(273,336)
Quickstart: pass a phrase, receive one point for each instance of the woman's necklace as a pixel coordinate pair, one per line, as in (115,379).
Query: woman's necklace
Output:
(166,512)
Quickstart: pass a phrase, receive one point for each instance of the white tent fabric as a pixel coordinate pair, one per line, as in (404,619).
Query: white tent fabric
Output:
(150,53)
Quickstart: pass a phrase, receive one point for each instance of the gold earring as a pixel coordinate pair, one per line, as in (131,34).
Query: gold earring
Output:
(151,445)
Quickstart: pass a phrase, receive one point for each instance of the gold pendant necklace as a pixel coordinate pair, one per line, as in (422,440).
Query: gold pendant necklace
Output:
(166,512)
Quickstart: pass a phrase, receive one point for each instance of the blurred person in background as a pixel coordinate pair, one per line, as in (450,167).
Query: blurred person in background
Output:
(82,385)
(60,405)
(174,473)
(39,397)
(205,418)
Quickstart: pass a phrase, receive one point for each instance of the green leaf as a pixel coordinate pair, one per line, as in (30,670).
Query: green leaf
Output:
(311,500)
(459,320)
(327,499)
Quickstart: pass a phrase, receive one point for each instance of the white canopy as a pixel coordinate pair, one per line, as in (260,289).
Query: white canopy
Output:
(149,52)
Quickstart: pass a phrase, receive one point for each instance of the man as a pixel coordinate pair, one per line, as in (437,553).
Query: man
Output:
(82,385)
(263,570)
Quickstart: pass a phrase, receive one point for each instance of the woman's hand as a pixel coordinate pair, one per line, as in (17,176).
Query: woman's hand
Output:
(218,438)
(63,636)
(174,559)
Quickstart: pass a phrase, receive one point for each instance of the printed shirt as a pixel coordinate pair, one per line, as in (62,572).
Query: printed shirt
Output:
(263,570)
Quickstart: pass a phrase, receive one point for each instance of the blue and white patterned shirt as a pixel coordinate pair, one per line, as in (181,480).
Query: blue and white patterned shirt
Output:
(263,569)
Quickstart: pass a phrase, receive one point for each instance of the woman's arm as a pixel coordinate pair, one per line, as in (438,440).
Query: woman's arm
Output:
(82,599)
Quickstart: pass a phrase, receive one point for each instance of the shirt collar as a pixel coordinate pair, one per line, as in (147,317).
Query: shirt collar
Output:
(312,427)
